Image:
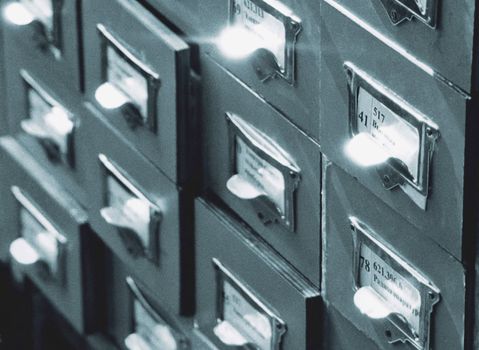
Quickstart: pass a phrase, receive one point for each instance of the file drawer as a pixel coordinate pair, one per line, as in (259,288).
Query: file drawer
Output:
(398,285)
(135,319)
(236,305)
(272,47)
(45,232)
(46,119)
(138,75)
(47,32)
(140,214)
(399,142)
(435,33)
(262,167)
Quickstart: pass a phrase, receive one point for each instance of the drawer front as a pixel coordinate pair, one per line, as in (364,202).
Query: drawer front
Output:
(137,74)
(138,212)
(262,167)
(398,143)
(438,34)
(47,33)
(136,318)
(398,285)
(45,231)
(273,47)
(46,119)
(236,305)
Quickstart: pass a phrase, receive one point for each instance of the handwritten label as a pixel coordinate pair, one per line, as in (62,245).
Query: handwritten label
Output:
(246,318)
(260,173)
(398,293)
(399,138)
(266,27)
(128,80)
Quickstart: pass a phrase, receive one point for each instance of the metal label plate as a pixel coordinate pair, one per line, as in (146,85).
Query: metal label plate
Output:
(41,234)
(265,166)
(407,293)
(48,119)
(398,129)
(134,78)
(239,306)
(128,208)
(274,25)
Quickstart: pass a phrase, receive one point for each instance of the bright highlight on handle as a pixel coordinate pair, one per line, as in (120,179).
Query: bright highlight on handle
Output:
(236,42)
(229,335)
(364,151)
(370,303)
(23,252)
(17,14)
(110,97)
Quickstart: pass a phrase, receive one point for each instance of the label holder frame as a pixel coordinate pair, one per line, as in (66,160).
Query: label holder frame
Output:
(292,26)
(25,202)
(111,169)
(152,78)
(428,131)
(291,173)
(430,294)
(222,273)
(30,83)
(137,295)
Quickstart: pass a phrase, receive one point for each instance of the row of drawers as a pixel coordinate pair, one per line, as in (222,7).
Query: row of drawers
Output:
(242,133)
(238,262)
(423,133)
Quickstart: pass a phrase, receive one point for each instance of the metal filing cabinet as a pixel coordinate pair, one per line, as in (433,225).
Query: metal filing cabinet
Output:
(405,145)
(381,274)
(140,214)
(247,295)
(45,234)
(273,47)
(138,75)
(46,31)
(263,167)
(436,34)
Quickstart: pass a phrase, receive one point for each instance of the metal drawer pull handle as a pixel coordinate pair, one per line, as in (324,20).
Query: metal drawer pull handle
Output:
(242,188)
(121,218)
(19,15)
(363,150)
(162,334)
(229,335)
(23,252)
(51,132)
(370,303)
(135,341)
(110,97)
